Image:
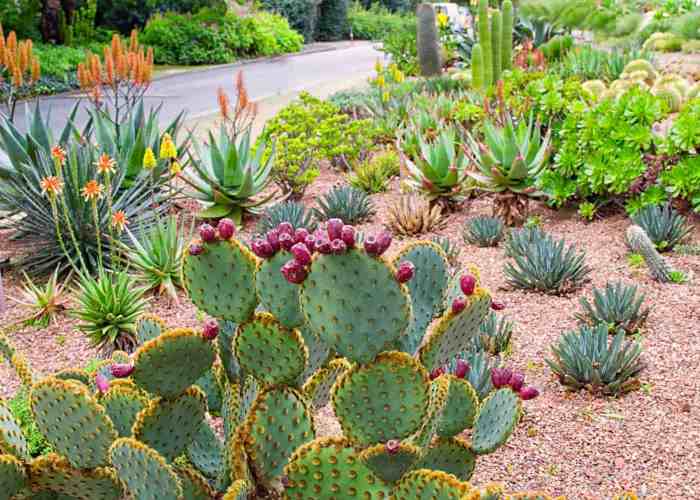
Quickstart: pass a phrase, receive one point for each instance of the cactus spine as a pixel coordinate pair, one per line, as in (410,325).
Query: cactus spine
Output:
(477,67)
(496,39)
(428,41)
(639,242)
(485,41)
(507,35)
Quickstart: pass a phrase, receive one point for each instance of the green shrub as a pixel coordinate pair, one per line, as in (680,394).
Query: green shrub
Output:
(19,407)
(301,14)
(22,17)
(688,25)
(124,15)
(376,22)
(373,175)
(58,60)
(401,45)
(333,20)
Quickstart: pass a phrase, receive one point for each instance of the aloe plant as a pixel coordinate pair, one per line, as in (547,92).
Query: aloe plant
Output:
(440,169)
(229,177)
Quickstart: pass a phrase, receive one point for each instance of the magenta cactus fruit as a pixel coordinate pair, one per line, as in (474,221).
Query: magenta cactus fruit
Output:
(196,249)
(392,446)
(371,245)
(384,241)
(468,284)
(301,254)
(102,383)
(462,368)
(310,243)
(294,272)
(516,382)
(121,370)
(323,245)
(338,247)
(286,241)
(405,271)
(300,235)
(437,372)
(458,305)
(334,228)
(207,233)
(262,248)
(347,234)
(286,228)
(273,237)
(497,306)
(500,377)
(527,393)
(211,329)
(226,228)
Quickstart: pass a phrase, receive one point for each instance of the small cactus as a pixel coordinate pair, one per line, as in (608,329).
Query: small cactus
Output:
(639,242)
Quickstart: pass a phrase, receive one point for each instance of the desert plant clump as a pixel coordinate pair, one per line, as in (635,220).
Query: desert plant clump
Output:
(448,246)
(373,175)
(519,240)
(45,303)
(346,203)
(287,211)
(483,231)
(587,359)
(412,214)
(494,336)
(618,306)
(663,224)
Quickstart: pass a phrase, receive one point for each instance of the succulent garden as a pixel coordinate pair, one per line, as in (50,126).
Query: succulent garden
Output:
(475,277)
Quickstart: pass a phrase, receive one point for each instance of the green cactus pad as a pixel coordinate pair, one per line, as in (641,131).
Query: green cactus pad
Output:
(328,469)
(239,490)
(148,327)
(221,281)
(210,386)
(143,471)
(318,388)
(427,288)
(224,341)
(237,459)
(439,392)
(76,375)
(451,455)
(384,400)
(21,367)
(169,364)
(169,425)
(72,421)
(425,484)
(460,410)
(497,418)
(13,477)
(122,403)
(12,440)
(206,451)
(390,466)
(270,352)
(451,333)
(278,423)
(354,303)
(276,294)
(54,473)
(319,352)
(231,408)
(454,289)
(194,486)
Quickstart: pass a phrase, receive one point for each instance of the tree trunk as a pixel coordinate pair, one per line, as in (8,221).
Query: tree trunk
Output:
(50,15)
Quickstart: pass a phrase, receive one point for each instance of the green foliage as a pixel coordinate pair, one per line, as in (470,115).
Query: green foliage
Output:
(678,277)
(124,15)
(302,15)
(519,240)
(494,335)
(683,180)
(663,224)
(333,21)
(618,306)
(483,231)
(587,210)
(19,407)
(548,266)
(288,211)
(584,359)
(448,246)
(373,175)
(108,307)
(83,25)
(684,136)
(376,22)
(401,45)
(688,25)
(588,63)
(22,17)
(44,302)
(346,203)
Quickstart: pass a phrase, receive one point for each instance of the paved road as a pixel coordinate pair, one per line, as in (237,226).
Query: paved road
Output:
(195,92)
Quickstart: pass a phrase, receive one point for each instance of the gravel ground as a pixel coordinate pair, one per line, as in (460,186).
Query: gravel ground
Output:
(568,443)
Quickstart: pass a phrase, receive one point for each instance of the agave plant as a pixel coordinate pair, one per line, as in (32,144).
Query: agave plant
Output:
(45,302)
(439,169)
(347,203)
(509,163)
(548,266)
(663,224)
(411,215)
(108,309)
(618,306)
(519,240)
(479,374)
(483,231)
(494,335)
(586,359)
(287,211)
(229,178)
(449,247)
(156,255)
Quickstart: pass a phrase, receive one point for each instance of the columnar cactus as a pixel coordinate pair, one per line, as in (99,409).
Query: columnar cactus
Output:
(428,41)
(477,67)
(507,35)
(495,44)
(639,242)
(486,43)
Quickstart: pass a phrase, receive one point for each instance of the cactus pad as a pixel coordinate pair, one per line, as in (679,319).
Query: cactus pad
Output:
(427,288)
(122,403)
(318,388)
(384,400)
(13,477)
(425,484)
(169,364)
(318,353)
(206,451)
(12,440)
(354,303)
(221,281)
(497,418)
(439,392)
(210,386)
(237,458)
(54,473)
(269,351)
(224,341)
(451,455)
(390,466)
(73,374)
(143,471)
(329,468)
(148,327)
(454,289)
(21,367)
(451,333)
(276,294)
(460,410)
(169,425)
(239,490)
(194,486)
(278,423)
(72,421)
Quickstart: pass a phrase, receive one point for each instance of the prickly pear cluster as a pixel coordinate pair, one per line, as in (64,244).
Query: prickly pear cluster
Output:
(225,230)
(505,377)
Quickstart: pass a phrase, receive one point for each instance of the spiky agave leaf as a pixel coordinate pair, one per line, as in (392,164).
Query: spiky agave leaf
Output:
(45,302)
(411,215)
(494,335)
(483,231)
(519,240)
(287,211)
(663,224)
(346,203)
(618,306)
